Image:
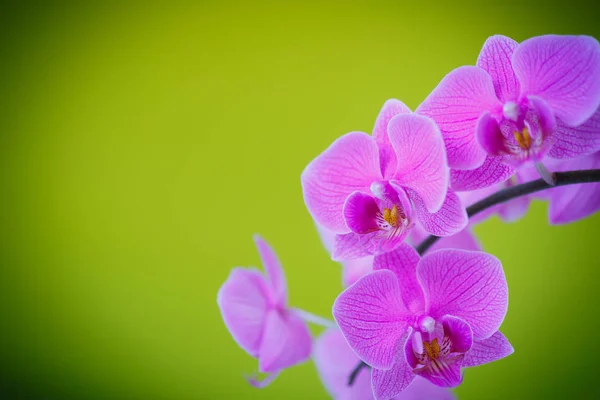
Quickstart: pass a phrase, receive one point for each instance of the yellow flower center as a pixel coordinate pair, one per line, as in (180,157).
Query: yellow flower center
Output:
(391,216)
(432,349)
(523,138)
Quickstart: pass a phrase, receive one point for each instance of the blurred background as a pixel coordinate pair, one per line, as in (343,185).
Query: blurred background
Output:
(142,145)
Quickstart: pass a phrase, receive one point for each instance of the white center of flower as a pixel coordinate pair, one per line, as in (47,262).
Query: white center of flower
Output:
(428,324)
(511,110)
(377,189)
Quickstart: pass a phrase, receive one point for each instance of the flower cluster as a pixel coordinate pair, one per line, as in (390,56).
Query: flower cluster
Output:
(523,123)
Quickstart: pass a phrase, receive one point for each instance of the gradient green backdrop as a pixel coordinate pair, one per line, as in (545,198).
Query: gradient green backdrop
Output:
(142,146)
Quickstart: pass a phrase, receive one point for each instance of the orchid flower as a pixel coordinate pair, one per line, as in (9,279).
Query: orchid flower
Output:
(335,360)
(255,310)
(426,317)
(522,103)
(370,190)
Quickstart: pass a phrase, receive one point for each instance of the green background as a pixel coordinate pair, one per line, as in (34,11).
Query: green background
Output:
(142,146)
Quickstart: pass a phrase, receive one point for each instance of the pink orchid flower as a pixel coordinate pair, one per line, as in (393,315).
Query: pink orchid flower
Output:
(335,361)
(427,317)
(522,103)
(370,190)
(255,310)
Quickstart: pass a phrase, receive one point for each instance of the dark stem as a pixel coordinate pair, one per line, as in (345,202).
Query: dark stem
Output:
(502,196)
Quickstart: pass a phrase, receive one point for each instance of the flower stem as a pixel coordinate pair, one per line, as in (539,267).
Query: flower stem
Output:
(314,319)
(502,196)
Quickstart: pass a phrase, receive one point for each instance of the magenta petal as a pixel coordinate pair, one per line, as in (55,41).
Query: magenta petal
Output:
(352,245)
(578,141)
(460,332)
(455,105)
(286,342)
(449,220)
(421,158)
(515,209)
(489,135)
(351,163)
(372,317)
(335,361)
(403,262)
(495,58)
(390,383)
(243,303)
(487,350)
(466,284)
(451,377)
(422,389)
(492,171)
(564,71)
(465,239)
(387,156)
(360,213)
(275,275)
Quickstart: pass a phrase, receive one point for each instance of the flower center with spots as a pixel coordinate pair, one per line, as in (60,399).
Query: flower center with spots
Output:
(392,218)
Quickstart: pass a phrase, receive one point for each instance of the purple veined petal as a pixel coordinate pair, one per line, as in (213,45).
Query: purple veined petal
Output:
(495,58)
(274,271)
(422,389)
(353,270)
(490,136)
(455,105)
(373,318)
(335,361)
(464,240)
(360,213)
(243,301)
(387,156)
(449,220)
(327,237)
(403,262)
(487,350)
(466,284)
(452,375)
(579,141)
(351,163)
(562,70)
(545,116)
(387,384)
(352,245)
(286,342)
(421,156)
(574,202)
(491,172)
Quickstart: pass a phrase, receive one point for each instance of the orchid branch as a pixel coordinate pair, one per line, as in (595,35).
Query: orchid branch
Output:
(502,196)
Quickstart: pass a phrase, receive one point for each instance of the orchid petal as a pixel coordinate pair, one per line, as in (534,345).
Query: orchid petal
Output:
(464,240)
(387,156)
(491,172)
(335,361)
(403,262)
(388,384)
(487,350)
(421,156)
(460,333)
(455,105)
(286,342)
(360,213)
(274,271)
(449,220)
(351,163)
(353,270)
(490,136)
(422,389)
(373,318)
(582,140)
(243,303)
(564,71)
(466,284)
(352,245)
(495,58)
